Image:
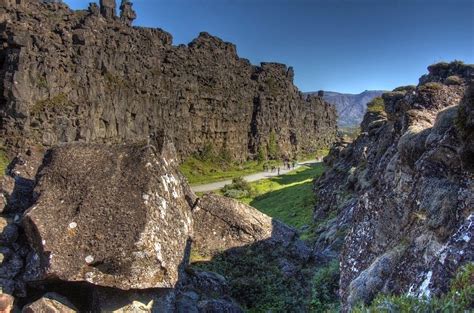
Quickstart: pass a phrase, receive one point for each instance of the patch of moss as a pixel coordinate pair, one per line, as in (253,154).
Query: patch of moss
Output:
(41,82)
(59,101)
(453,80)
(272,86)
(4,161)
(376,105)
(431,86)
(405,88)
(114,81)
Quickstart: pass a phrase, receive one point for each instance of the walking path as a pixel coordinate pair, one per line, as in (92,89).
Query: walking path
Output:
(250,178)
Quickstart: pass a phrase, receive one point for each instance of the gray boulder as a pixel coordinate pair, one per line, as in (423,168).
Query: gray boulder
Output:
(115,216)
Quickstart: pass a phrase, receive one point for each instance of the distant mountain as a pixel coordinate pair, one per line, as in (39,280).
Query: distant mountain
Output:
(350,107)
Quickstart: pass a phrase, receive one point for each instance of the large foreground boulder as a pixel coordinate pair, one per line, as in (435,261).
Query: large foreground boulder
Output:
(116,216)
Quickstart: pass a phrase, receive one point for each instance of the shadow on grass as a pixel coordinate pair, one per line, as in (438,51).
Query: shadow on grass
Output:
(294,200)
(271,275)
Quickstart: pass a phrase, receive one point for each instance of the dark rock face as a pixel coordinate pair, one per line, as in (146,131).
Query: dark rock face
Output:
(404,191)
(87,76)
(120,213)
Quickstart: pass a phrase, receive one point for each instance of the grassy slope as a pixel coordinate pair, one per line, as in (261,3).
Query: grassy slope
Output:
(288,198)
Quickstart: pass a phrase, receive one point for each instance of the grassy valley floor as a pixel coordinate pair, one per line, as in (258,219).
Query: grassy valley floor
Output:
(288,198)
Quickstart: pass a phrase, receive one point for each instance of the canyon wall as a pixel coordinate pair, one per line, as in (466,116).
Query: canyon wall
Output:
(88,76)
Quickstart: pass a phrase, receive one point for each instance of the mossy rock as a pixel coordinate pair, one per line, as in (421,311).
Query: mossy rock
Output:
(431,86)
(453,80)
(59,101)
(405,88)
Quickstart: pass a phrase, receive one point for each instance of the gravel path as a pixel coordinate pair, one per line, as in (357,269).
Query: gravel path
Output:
(250,178)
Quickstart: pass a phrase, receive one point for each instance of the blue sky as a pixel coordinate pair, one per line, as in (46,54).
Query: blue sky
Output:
(338,45)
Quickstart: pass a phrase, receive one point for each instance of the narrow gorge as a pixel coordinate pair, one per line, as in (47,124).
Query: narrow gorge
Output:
(97,117)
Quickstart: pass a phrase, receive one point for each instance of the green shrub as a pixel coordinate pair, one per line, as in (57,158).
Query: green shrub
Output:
(325,288)
(236,193)
(261,154)
(405,88)
(376,105)
(273,149)
(239,188)
(460,298)
(453,80)
(207,153)
(431,86)
(59,101)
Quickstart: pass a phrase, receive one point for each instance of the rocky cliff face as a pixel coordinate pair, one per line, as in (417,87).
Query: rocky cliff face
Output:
(89,76)
(403,191)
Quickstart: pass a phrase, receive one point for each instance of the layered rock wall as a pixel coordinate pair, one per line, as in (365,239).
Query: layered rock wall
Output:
(88,76)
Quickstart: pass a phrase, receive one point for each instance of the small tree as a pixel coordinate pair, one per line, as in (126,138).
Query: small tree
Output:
(261,154)
(273,148)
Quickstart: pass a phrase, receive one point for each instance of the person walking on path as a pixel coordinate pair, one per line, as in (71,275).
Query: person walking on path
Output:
(278,171)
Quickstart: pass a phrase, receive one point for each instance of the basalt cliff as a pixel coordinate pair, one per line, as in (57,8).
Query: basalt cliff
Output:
(397,204)
(89,76)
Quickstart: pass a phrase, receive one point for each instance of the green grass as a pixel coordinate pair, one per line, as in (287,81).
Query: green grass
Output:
(257,282)
(288,198)
(199,171)
(210,167)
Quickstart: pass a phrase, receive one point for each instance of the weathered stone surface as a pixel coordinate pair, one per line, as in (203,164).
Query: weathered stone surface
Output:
(120,213)
(223,223)
(403,190)
(50,303)
(76,76)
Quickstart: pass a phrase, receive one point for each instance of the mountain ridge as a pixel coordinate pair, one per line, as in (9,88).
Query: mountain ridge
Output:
(350,107)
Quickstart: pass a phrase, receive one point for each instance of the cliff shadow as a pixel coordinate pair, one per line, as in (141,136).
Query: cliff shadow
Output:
(271,275)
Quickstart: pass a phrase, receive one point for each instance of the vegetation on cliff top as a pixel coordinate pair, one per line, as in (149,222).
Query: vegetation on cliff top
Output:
(376,105)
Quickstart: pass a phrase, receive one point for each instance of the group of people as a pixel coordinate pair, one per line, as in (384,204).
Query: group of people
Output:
(287,164)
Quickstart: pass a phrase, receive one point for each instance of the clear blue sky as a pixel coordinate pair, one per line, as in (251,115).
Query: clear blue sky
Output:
(338,45)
